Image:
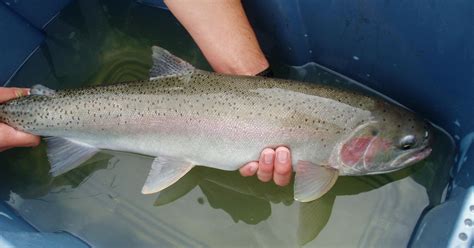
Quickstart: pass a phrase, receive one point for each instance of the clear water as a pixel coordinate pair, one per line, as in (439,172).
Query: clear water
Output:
(93,42)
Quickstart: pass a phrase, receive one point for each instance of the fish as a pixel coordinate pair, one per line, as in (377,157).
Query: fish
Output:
(185,117)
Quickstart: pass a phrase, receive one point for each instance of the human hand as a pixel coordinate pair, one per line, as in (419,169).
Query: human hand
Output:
(274,164)
(10,137)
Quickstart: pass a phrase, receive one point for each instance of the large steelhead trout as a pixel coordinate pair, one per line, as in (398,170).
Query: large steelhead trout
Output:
(186,117)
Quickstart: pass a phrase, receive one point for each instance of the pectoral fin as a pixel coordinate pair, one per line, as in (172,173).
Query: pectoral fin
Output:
(164,172)
(312,181)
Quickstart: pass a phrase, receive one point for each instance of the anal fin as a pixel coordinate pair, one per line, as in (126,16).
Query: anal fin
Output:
(65,155)
(164,172)
(313,181)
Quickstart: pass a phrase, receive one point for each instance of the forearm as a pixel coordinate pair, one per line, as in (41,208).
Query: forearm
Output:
(223,33)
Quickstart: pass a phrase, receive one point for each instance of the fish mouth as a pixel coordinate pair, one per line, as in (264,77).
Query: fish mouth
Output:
(412,157)
(418,156)
(405,160)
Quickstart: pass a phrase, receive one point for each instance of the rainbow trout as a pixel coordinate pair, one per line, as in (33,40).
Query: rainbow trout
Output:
(185,117)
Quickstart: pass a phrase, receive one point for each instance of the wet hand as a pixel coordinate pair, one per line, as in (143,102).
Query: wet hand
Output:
(10,137)
(272,164)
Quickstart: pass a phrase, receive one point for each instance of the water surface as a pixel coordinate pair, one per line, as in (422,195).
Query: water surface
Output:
(94,42)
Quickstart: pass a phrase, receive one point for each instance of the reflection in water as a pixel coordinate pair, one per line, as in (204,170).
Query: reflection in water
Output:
(109,41)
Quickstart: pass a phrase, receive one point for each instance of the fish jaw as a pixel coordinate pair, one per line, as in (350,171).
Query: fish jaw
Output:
(413,157)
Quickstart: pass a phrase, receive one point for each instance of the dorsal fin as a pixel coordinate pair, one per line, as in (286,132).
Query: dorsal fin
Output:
(165,64)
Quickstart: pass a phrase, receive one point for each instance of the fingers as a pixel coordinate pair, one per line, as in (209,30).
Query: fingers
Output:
(282,171)
(272,164)
(265,165)
(10,93)
(249,169)
(9,137)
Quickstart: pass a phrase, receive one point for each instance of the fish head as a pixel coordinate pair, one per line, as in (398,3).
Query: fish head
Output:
(392,139)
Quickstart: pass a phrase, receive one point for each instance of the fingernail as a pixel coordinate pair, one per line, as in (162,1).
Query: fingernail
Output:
(268,158)
(253,168)
(282,156)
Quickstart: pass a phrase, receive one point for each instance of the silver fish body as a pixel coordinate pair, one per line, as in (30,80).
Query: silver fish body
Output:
(188,116)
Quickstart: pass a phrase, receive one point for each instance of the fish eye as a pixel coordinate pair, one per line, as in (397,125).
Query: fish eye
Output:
(407,142)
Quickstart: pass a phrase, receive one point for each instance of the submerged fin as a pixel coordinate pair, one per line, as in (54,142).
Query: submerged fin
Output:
(179,189)
(313,217)
(41,90)
(65,155)
(164,172)
(165,63)
(312,181)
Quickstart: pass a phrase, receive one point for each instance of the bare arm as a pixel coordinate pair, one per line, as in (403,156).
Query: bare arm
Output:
(223,33)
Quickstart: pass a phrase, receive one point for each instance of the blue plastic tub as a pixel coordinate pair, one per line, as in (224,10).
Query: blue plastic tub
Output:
(419,53)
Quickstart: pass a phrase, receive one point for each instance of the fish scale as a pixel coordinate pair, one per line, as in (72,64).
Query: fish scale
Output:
(187,117)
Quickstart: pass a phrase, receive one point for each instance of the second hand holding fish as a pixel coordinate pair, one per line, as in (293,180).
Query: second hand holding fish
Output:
(274,164)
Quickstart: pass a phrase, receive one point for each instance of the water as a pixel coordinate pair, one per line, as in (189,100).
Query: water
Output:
(93,42)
